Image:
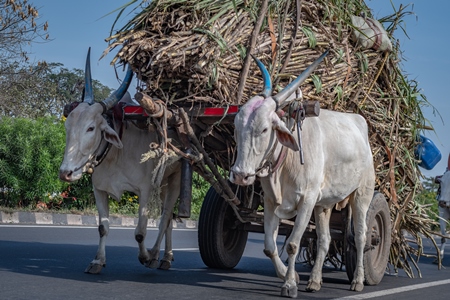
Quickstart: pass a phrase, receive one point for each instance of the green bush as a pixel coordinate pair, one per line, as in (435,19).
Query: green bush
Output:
(199,189)
(427,198)
(128,205)
(79,195)
(31,152)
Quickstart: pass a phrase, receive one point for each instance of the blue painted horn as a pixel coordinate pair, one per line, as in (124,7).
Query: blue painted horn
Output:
(88,95)
(120,92)
(292,87)
(267,90)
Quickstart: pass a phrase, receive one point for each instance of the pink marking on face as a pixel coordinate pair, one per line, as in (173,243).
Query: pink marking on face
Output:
(250,107)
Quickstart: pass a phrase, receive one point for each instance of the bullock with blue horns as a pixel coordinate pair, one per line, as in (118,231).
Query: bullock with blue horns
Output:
(337,168)
(113,149)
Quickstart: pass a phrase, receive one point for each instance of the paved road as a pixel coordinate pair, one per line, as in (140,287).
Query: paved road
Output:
(47,262)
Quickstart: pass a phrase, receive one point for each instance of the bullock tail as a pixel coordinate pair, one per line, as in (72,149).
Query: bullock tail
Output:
(162,160)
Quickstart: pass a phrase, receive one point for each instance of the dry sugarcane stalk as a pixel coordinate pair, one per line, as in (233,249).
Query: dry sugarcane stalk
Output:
(176,59)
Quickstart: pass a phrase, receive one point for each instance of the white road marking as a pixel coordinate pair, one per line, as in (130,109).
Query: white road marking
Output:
(397,290)
(184,249)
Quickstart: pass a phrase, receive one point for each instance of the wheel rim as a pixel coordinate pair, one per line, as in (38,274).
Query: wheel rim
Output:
(376,240)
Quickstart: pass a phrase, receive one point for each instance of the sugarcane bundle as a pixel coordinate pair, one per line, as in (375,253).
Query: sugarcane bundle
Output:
(195,52)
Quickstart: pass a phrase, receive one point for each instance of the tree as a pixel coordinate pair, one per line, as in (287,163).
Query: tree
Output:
(42,90)
(429,184)
(428,196)
(18,28)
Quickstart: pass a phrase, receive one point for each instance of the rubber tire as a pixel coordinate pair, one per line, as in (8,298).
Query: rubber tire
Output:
(221,242)
(350,254)
(375,260)
(379,224)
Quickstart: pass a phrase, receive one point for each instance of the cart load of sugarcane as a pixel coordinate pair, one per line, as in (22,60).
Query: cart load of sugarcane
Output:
(196,53)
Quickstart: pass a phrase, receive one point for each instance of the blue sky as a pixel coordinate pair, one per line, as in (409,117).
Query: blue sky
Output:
(76,25)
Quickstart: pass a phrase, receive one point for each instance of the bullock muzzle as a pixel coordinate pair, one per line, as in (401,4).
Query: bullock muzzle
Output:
(67,176)
(70,175)
(241,178)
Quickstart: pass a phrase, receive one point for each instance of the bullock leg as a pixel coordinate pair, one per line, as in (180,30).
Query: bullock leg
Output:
(166,261)
(322,217)
(101,201)
(141,229)
(270,236)
(169,195)
(304,211)
(359,204)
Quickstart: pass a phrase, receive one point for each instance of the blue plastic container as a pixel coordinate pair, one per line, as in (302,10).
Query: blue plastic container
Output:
(427,153)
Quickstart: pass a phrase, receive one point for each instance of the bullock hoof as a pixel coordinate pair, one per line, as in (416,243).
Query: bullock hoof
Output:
(164,264)
(152,264)
(166,261)
(356,286)
(143,260)
(289,290)
(313,286)
(94,268)
(151,260)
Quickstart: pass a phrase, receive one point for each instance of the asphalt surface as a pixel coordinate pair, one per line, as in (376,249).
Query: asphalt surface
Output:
(49,261)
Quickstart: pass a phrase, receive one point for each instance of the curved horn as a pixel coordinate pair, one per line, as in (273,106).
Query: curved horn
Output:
(115,97)
(88,94)
(267,90)
(291,87)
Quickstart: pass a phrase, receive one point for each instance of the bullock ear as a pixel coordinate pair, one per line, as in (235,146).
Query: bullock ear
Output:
(284,136)
(112,137)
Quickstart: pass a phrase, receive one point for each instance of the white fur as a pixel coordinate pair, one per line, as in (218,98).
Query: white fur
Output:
(338,164)
(120,171)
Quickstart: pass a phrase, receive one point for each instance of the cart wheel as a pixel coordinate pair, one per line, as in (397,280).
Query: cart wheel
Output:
(376,252)
(221,241)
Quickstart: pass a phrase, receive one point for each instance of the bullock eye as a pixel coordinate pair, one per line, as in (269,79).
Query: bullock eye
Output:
(90,129)
(264,131)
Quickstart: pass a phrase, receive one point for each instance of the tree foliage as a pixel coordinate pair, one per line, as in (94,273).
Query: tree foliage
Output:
(42,90)
(37,89)
(428,196)
(18,28)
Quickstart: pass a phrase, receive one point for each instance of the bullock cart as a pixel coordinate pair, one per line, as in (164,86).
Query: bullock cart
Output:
(194,56)
(229,213)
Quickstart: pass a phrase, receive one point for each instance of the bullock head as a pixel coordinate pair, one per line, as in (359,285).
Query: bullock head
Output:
(87,131)
(258,127)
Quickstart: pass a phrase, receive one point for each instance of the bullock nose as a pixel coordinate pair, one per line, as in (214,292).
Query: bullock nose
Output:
(65,175)
(241,178)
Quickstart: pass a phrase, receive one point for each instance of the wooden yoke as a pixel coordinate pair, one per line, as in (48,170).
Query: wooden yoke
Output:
(155,109)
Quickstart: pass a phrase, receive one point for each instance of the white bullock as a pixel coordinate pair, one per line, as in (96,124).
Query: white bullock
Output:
(88,135)
(444,208)
(338,165)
